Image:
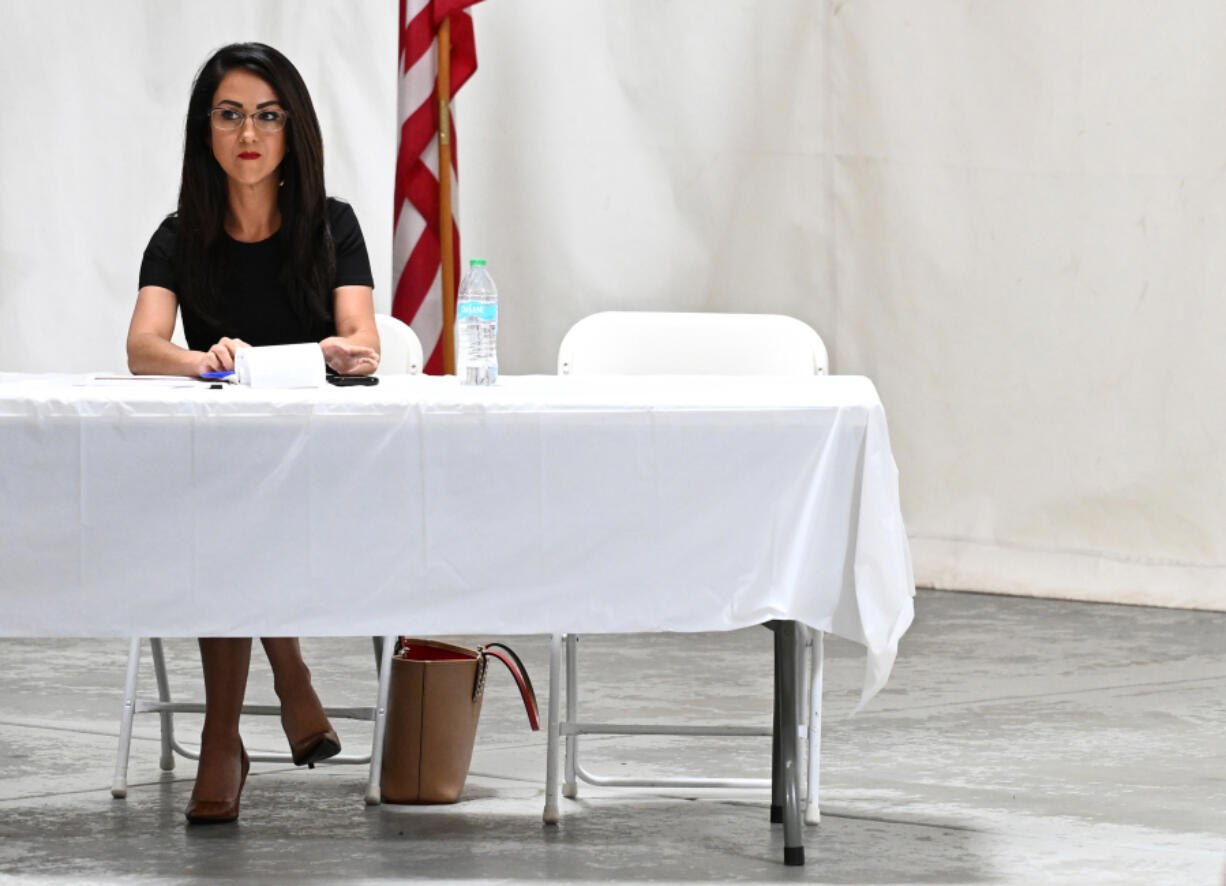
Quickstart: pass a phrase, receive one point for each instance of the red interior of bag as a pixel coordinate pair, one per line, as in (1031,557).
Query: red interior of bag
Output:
(433,653)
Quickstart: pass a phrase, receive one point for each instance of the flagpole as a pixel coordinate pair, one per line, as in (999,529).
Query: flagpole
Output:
(446,244)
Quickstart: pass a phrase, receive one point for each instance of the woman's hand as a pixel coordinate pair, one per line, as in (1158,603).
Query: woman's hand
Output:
(349,359)
(220,357)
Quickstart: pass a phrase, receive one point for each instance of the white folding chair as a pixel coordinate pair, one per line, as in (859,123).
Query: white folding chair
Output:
(401,349)
(658,343)
(401,354)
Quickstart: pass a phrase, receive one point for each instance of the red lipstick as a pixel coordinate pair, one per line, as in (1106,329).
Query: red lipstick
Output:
(249,155)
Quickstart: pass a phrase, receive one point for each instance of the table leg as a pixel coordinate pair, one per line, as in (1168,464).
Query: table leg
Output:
(785,669)
(776,759)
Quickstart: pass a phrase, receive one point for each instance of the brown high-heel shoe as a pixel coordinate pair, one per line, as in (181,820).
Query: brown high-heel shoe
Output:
(314,748)
(319,741)
(218,811)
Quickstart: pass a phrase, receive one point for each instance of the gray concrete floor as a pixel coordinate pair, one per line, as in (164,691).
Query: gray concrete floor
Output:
(1019,741)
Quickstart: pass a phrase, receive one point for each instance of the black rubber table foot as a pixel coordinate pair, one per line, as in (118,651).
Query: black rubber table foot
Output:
(794,856)
(776,814)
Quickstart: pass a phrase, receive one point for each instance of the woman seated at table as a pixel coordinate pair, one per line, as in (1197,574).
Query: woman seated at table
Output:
(256,255)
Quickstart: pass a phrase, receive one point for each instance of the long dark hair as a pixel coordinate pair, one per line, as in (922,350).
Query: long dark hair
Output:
(203,195)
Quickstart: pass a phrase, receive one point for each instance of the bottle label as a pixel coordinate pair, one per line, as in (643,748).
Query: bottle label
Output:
(475,309)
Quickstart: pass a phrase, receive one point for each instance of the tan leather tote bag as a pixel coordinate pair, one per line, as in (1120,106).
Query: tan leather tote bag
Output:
(433,705)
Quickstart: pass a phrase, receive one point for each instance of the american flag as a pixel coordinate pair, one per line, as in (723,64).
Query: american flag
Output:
(418,294)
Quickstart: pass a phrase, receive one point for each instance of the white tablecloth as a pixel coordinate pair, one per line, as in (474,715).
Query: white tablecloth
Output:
(543,504)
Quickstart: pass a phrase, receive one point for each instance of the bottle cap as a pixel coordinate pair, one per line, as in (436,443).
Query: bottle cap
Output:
(477,263)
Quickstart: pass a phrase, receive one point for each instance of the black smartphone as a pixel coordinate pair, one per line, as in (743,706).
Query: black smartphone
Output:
(344,381)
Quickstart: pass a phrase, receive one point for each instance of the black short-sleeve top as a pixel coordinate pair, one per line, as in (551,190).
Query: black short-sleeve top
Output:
(254,303)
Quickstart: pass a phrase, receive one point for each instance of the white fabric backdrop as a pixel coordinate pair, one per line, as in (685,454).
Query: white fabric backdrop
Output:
(1008,214)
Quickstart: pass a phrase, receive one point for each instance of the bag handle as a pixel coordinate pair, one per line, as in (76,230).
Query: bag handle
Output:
(515,665)
(500,651)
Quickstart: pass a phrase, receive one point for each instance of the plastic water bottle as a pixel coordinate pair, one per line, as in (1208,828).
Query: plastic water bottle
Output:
(476,327)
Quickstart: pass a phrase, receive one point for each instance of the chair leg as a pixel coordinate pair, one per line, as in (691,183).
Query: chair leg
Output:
(373,791)
(813,812)
(167,760)
(119,783)
(570,785)
(551,737)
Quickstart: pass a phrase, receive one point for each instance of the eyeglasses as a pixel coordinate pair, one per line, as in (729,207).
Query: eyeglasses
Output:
(267,120)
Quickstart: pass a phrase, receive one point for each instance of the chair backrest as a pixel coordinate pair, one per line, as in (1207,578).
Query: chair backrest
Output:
(400,347)
(661,343)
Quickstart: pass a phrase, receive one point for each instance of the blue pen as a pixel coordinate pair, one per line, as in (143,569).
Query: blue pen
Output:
(226,374)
